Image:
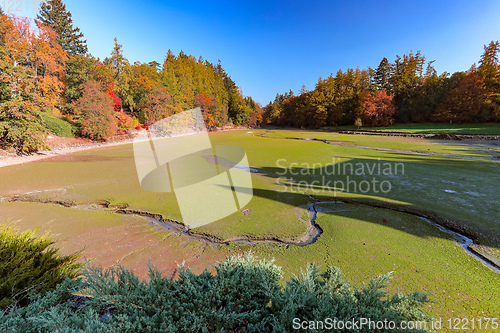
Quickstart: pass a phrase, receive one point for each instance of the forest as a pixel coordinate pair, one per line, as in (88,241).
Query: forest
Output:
(51,84)
(406,90)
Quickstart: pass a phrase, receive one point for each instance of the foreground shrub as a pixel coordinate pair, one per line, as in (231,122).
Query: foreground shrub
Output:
(244,296)
(28,265)
(95,112)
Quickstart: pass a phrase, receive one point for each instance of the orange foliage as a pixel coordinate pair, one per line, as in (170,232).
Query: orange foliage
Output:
(377,109)
(34,62)
(208,106)
(95,112)
(125,122)
(468,102)
(158,105)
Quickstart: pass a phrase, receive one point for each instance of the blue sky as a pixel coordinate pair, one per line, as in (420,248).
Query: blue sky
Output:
(273,46)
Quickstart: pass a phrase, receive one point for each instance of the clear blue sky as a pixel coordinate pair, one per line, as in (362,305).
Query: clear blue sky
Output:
(273,46)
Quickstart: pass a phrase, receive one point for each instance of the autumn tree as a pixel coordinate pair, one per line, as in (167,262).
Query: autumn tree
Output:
(254,118)
(53,13)
(49,65)
(377,109)
(468,102)
(31,76)
(324,101)
(95,113)
(83,68)
(158,105)
(271,113)
(332,102)
(207,105)
(358,123)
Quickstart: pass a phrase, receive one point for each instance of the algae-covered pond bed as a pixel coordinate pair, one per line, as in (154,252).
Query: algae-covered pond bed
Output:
(91,201)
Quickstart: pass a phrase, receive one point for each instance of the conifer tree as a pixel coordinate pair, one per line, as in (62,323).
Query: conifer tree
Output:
(54,14)
(382,75)
(489,66)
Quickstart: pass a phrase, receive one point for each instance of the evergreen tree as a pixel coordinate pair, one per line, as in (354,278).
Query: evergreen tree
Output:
(489,68)
(54,14)
(168,75)
(382,75)
(490,55)
(117,62)
(122,76)
(430,71)
(405,82)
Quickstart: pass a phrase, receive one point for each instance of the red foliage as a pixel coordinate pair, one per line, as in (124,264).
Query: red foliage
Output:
(117,102)
(377,109)
(105,77)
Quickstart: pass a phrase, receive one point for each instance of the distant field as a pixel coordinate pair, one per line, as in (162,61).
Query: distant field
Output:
(476,148)
(431,128)
(362,240)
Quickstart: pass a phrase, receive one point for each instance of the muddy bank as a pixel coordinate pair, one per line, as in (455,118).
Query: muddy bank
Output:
(459,233)
(314,231)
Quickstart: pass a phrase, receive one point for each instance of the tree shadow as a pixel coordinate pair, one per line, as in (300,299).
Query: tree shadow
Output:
(363,182)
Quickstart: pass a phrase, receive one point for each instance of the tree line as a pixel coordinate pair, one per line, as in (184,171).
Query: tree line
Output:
(50,83)
(406,90)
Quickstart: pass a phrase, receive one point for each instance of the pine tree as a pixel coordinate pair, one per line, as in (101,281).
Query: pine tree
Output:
(382,75)
(54,14)
(490,66)
(489,69)
(490,55)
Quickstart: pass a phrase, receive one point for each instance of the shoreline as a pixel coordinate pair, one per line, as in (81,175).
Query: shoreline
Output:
(13,159)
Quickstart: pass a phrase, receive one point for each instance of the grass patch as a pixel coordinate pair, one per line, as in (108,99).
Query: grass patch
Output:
(469,148)
(430,128)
